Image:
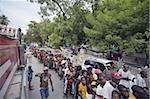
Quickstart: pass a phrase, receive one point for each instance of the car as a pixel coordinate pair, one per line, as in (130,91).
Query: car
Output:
(87,60)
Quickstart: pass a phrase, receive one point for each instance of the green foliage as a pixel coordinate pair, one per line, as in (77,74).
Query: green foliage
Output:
(111,24)
(134,45)
(54,40)
(90,32)
(119,23)
(102,46)
(4,20)
(33,34)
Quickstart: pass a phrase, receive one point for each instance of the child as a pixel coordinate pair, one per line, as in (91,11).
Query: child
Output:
(29,75)
(82,88)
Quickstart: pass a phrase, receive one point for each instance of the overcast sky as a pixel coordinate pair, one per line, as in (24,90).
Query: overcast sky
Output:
(20,12)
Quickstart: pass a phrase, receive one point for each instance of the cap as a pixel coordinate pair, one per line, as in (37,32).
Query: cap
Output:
(45,68)
(115,75)
(98,71)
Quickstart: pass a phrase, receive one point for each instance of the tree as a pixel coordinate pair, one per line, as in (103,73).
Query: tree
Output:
(54,40)
(106,24)
(59,7)
(33,34)
(4,20)
(117,22)
(70,17)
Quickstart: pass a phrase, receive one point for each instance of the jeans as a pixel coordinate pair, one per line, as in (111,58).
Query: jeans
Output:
(44,93)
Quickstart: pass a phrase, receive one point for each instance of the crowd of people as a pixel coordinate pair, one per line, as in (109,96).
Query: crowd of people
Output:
(92,83)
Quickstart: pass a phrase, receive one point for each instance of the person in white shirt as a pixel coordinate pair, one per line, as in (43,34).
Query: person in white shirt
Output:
(125,75)
(140,79)
(111,85)
(132,81)
(28,57)
(99,90)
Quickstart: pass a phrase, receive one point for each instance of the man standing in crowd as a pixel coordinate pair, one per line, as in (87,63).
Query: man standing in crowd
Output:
(108,71)
(140,79)
(99,90)
(44,83)
(125,75)
(111,85)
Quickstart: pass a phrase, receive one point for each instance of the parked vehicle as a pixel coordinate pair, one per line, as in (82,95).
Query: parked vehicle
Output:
(101,63)
(87,60)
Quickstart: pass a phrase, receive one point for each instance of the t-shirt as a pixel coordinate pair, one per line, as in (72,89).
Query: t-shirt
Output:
(99,92)
(107,90)
(83,89)
(140,81)
(124,75)
(133,82)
